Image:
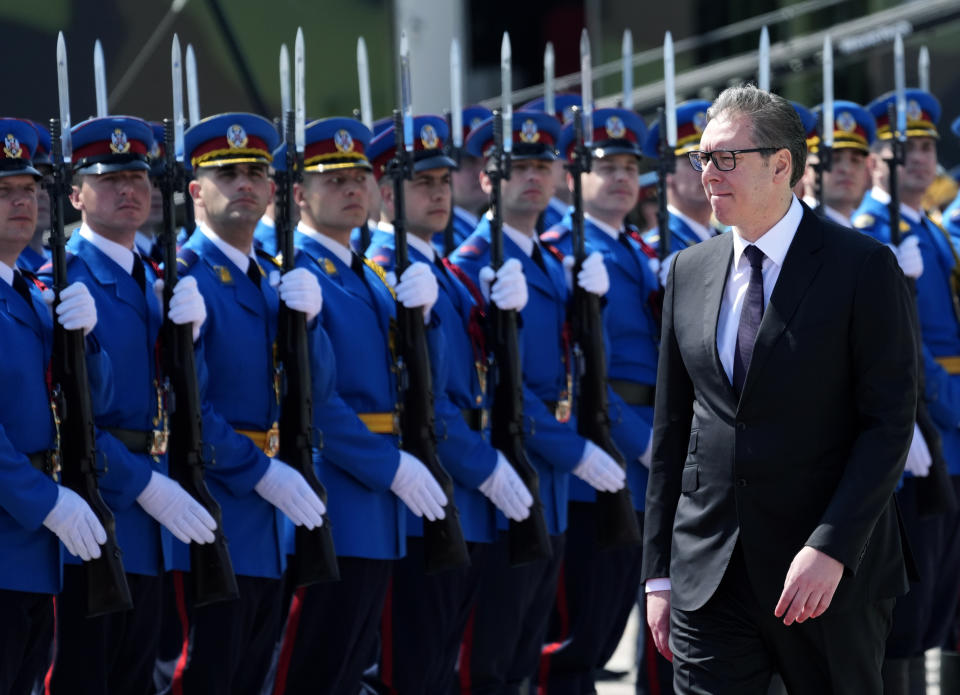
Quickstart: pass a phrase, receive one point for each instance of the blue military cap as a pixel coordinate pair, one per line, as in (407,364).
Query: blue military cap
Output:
(381,124)
(42,155)
(111,143)
(691,120)
(19,144)
(809,121)
(535,135)
(853,127)
(230,138)
(562,106)
(923,114)
(430,133)
(331,144)
(615,131)
(474,116)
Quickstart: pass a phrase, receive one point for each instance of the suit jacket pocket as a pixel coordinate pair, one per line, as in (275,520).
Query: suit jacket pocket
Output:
(692,445)
(690,479)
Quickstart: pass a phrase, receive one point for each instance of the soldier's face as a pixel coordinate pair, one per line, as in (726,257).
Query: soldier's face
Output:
(686,188)
(844,184)
(18,214)
(611,187)
(427,199)
(233,196)
(529,188)
(466,184)
(117,203)
(336,199)
(920,164)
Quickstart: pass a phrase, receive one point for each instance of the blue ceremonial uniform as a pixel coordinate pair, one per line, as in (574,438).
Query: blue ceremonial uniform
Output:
(555,212)
(951,219)
(681,235)
(31,260)
(265,236)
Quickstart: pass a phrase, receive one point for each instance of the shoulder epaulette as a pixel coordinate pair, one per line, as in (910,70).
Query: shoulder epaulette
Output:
(554,234)
(270,259)
(864,220)
(47,268)
(382,255)
(380,274)
(473,247)
(186,259)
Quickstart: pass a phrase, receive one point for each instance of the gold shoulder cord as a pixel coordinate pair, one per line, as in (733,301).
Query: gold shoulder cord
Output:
(954,272)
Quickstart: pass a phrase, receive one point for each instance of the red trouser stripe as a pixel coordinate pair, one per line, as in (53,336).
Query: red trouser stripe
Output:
(289,639)
(563,613)
(49,677)
(466,647)
(181,599)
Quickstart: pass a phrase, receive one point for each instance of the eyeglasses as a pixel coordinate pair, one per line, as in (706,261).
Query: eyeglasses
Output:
(724,160)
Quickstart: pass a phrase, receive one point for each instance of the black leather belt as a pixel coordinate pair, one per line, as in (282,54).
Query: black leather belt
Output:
(633,393)
(476,418)
(150,442)
(47,462)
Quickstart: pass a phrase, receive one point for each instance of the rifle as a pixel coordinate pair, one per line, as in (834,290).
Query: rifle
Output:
(617,521)
(825,124)
(107,588)
(528,540)
(315,559)
(444,545)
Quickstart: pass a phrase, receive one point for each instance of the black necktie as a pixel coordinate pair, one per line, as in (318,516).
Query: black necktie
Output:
(537,256)
(253,272)
(356,265)
(20,285)
(438,261)
(138,272)
(750,317)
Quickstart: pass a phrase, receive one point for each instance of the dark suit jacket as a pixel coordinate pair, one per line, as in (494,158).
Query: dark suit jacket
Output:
(812,451)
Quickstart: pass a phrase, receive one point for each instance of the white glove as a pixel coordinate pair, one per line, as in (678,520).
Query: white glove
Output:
(908,256)
(664,270)
(300,290)
(592,276)
(509,285)
(418,489)
(286,489)
(599,470)
(918,458)
(76,309)
(186,305)
(74,523)
(172,506)
(418,288)
(505,489)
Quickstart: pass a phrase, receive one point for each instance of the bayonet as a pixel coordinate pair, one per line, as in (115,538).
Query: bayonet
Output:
(284,86)
(506,105)
(626,64)
(100,79)
(549,70)
(63,88)
(299,96)
(363,79)
(670,90)
(899,80)
(586,89)
(176,73)
(456,96)
(763,73)
(923,69)
(406,105)
(193,89)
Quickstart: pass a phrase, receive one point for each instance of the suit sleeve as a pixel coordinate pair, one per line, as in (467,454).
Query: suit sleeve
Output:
(671,436)
(884,355)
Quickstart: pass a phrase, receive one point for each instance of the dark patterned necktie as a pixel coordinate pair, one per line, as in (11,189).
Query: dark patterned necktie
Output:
(20,285)
(253,272)
(139,274)
(750,317)
(537,256)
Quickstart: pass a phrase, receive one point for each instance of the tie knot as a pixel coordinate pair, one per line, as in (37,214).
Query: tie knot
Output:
(755,256)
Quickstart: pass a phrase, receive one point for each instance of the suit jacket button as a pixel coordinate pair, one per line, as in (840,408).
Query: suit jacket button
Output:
(741,427)
(741,482)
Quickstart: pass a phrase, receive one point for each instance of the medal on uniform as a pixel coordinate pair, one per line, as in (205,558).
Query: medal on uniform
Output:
(160,435)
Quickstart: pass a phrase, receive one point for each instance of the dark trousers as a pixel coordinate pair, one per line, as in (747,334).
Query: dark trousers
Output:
(596,591)
(111,653)
(504,635)
(330,636)
(424,617)
(26,623)
(923,618)
(225,648)
(732,645)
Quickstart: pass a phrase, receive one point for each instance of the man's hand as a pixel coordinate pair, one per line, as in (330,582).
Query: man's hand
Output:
(809,587)
(658,618)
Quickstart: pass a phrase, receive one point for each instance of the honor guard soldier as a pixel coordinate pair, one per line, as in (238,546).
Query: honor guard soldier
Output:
(331,630)
(228,645)
(687,203)
(560,201)
(501,646)
(35,254)
(922,619)
(111,189)
(146,239)
(425,615)
(35,510)
(600,587)
(951,215)
(804,187)
(469,200)
(854,131)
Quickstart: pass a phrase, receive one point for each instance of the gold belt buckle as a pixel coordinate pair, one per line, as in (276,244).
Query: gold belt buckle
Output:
(158,442)
(271,445)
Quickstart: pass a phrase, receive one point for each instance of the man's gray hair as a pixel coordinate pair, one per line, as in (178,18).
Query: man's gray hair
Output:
(774,121)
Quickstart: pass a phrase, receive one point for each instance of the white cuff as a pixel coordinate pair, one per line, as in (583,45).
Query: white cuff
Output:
(658,584)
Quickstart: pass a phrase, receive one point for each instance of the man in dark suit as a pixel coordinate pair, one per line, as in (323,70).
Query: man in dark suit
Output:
(785,402)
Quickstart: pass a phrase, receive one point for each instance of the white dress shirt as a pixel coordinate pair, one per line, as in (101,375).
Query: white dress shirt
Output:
(883,197)
(117,253)
(607,229)
(424,247)
(526,242)
(233,254)
(6,273)
(837,216)
(334,247)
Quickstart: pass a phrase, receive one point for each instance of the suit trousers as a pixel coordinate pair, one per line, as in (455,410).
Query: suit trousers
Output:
(226,647)
(330,635)
(112,653)
(25,635)
(423,621)
(505,633)
(595,593)
(732,645)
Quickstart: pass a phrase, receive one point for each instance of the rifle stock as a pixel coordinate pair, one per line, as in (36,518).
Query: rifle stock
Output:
(527,540)
(107,588)
(315,558)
